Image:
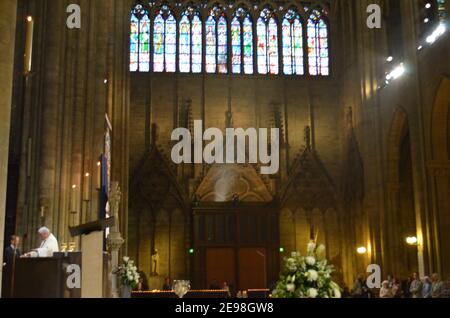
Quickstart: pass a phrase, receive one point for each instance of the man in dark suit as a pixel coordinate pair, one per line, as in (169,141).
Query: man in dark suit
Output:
(9,253)
(10,250)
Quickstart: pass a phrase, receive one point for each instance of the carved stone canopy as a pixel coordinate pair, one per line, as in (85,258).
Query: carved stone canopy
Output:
(225,183)
(154,181)
(309,186)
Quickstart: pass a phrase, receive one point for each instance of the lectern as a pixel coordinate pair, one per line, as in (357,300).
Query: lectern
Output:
(92,265)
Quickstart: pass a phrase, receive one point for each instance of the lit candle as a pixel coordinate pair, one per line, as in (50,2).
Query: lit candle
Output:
(98,177)
(74,199)
(27,57)
(87,187)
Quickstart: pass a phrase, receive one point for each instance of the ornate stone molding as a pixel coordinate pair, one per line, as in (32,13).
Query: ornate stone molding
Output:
(309,186)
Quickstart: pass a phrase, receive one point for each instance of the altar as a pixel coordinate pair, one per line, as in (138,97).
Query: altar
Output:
(45,277)
(251,293)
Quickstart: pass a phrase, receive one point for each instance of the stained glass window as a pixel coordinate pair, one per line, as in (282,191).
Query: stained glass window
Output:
(139,40)
(190,59)
(222,42)
(185,45)
(242,42)
(164,41)
(216,41)
(303,43)
(292,44)
(318,59)
(236,52)
(248,45)
(197,44)
(134,44)
(267,41)
(210,45)
(158,44)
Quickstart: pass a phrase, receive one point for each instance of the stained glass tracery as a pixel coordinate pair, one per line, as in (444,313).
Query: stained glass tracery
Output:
(242,42)
(139,40)
(169,41)
(216,41)
(292,32)
(267,42)
(164,41)
(190,42)
(318,59)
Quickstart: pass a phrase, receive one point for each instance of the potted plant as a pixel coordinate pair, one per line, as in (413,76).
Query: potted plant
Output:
(307,276)
(128,276)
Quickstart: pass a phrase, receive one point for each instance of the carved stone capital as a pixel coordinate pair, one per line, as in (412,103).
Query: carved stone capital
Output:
(114,241)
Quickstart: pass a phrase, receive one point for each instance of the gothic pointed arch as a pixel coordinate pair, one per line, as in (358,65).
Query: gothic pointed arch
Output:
(399,130)
(440,124)
(354,222)
(400,194)
(439,171)
(353,187)
(309,185)
(158,217)
(154,181)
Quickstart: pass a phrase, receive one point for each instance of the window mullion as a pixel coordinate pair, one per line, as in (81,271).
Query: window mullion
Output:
(294,50)
(217,45)
(191,38)
(317,49)
(164,46)
(267,50)
(241,34)
(139,46)
(151,42)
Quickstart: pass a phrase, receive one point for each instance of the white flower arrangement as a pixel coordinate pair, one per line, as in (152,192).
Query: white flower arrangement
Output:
(128,273)
(307,276)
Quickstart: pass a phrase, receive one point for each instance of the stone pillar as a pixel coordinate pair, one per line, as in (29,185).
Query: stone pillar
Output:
(115,240)
(440,172)
(7,41)
(118,108)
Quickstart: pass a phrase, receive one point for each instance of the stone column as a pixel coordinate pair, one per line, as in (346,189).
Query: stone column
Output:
(7,41)
(119,104)
(115,240)
(440,172)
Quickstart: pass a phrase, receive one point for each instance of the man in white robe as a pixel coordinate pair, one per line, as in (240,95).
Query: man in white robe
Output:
(49,244)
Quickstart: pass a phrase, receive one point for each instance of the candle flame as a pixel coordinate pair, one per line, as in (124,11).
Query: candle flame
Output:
(74,186)
(87,174)
(29,18)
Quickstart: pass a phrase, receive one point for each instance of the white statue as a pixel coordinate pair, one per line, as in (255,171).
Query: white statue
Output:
(155,263)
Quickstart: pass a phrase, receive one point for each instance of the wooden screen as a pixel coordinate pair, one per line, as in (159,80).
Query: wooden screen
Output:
(237,244)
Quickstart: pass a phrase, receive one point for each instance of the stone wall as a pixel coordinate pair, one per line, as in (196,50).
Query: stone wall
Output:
(158,104)
(74,84)
(380,116)
(7,30)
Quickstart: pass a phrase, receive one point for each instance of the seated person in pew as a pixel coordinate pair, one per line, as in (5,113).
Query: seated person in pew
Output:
(167,284)
(49,245)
